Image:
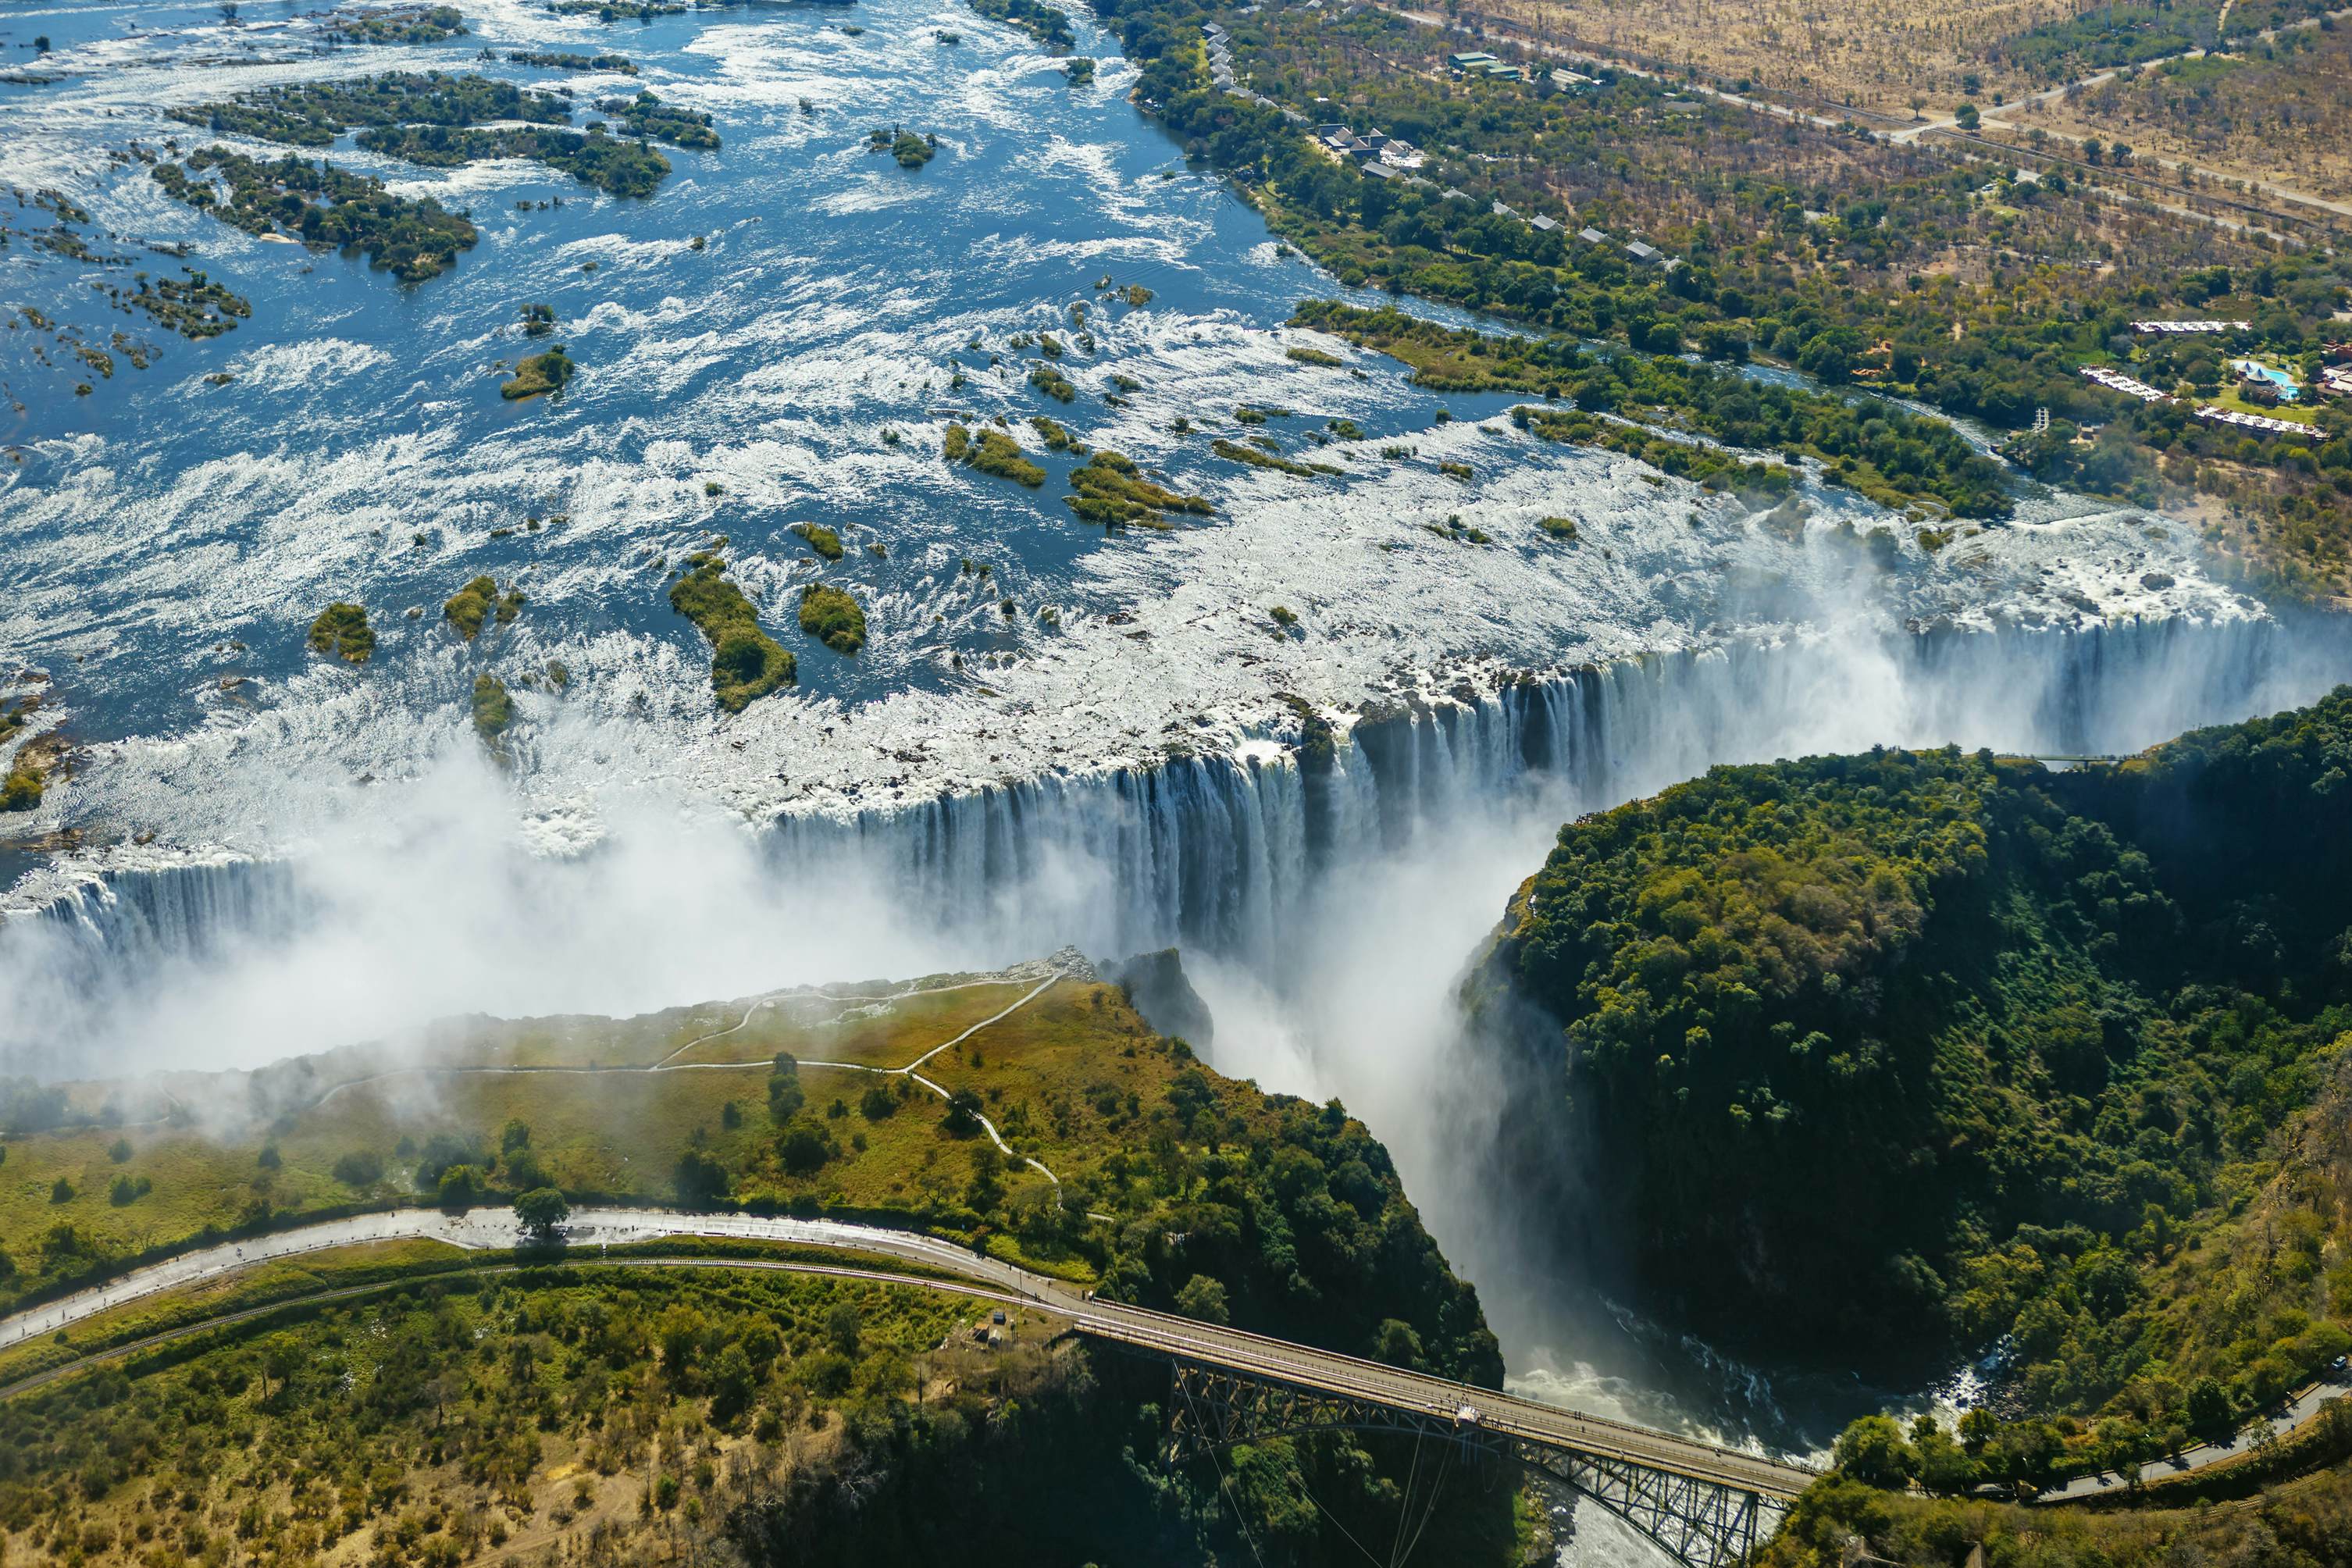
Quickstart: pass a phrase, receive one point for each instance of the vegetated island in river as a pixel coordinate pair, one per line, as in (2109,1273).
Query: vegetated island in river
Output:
(321,204)
(832,616)
(444,120)
(393,24)
(740,1416)
(540,372)
(1048,25)
(1901,460)
(342,630)
(473,605)
(1907,1055)
(746,663)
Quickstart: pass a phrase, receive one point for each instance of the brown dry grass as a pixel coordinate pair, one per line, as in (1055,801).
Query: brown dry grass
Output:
(1874,54)
(2286,120)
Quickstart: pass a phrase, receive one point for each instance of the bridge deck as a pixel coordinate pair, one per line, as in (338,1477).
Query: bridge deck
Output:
(1504,1413)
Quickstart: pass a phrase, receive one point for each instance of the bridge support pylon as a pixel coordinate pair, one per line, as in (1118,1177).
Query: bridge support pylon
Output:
(1698,1524)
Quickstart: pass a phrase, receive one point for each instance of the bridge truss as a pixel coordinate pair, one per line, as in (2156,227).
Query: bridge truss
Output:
(1699,1524)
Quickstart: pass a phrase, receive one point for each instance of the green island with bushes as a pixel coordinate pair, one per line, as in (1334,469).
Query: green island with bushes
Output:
(469,1403)
(910,150)
(342,630)
(550,372)
(746,663)
(990,451)
(320,205)
(1233,451)
(393,24)
(826,541)
(493,708)
(829,615)
(1898,458)
(2041,1063)
(444,120)
(1044,23)
(1108,488)
(648,116)
(477,604)
(565,60)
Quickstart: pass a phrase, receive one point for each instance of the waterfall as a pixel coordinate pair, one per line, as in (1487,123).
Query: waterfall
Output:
(1224,853)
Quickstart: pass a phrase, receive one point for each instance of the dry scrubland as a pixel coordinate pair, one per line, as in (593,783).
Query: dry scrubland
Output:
(1877,54)
(2277,113)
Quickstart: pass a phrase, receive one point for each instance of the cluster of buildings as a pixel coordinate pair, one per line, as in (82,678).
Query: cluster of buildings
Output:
(1636,251)
(2117,380)
(1220,68)
(1477,63)
(2253,422)
(2335,377)
(2184,329)
(1370,150)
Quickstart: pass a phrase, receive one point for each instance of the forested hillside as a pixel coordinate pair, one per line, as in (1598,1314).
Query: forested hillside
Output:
(617,1415)
(1919,1051)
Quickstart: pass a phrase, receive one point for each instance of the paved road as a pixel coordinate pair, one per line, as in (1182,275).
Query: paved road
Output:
(1157,1332)
(2300,1411)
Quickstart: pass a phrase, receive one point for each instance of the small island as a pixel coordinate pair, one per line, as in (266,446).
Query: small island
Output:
(824,540)
(542,373)
(746,663)
(1048,25)
(445,121)
(473,605)
(493,708)
(912,150)
(832,617)
(1111,492)
(992,452)
(342,630)
(394,25)
(648,116)
(321,204)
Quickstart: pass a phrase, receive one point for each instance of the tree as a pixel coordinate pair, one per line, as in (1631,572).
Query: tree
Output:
(785,1095)
(732,1383)
(515,1136)
(1872,1450)
(540,1210)
(2208,1411)
(460,1188)
(1944,1466)
(805,1146)
(963,1113)
(701,1179)
(1397,1343)
(1965,117)
(842,1327)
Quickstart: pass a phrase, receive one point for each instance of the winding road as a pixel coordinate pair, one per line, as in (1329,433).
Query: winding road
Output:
(1157,1333)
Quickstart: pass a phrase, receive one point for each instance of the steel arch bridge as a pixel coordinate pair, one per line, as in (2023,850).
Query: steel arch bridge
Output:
(1701,1522)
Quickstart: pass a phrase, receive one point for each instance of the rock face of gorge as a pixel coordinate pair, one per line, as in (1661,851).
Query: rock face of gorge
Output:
(1910,1050)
